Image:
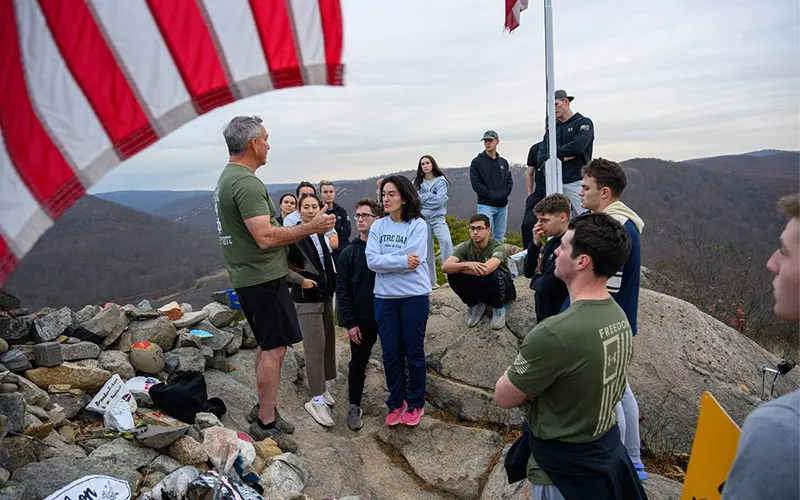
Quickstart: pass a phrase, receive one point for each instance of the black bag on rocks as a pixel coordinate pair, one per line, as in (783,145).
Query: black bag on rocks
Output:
(82,333)
(185,397)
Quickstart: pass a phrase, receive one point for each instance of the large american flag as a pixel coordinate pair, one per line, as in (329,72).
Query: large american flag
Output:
(86,84)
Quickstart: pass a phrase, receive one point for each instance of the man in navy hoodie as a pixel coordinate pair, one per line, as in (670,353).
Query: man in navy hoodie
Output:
(491,180)
(601,188)
(574,140)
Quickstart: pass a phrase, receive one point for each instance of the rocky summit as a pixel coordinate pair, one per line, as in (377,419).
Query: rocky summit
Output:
(56,361)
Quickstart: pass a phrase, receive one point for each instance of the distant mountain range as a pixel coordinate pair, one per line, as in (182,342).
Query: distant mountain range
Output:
(162,242)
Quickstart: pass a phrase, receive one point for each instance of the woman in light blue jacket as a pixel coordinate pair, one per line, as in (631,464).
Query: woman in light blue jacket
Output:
(432,184)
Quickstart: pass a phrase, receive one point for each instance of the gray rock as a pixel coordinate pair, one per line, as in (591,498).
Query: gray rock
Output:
(218,314)
(144,304)
(16,330)
(81,350)
(37,412)
(143,399)
(31,392)
(208,354)
(185,359)
(190,319)
(109,323)
(286,474)
(8,302)
(220,339)
(521,314)
(13,407)
(176,484)
(43,478)
(205,420)
(158,437)
(660,488)
(71,403)
(248,338)
(497,487)
(8,388)
(236,342)
(15,360)
(57,446)
(186,339)
(171,362)
(125,454)
(136,314)
(21,451)
(87,363)
(25,349)
(160,331)
(186,307)
(425,445)
(3,346)
(470,403)
(116,362)
(85,314)
(163,464)
(52,325)
(3,369)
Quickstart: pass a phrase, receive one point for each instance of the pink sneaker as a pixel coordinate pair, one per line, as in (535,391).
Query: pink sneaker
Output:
(396,416)
(412,416)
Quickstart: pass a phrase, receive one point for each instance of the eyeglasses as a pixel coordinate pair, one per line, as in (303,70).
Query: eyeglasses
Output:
(476,229)
(362,216)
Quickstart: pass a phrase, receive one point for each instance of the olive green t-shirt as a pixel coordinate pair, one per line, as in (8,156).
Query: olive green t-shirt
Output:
(574,368)
(468,252)
(240,195)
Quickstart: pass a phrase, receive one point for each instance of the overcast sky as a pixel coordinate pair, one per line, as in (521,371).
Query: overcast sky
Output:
(672,79)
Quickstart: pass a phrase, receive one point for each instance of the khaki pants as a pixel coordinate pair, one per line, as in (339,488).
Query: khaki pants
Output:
(319,343)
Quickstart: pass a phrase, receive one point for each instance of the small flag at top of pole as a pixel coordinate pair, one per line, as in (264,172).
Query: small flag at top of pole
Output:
(513,10)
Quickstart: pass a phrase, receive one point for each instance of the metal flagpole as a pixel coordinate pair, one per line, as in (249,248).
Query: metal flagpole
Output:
(553,177)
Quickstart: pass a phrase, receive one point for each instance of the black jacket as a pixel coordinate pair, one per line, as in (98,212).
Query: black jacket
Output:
(491,180)
(574,137)
(304,258)
(354,287)
(342,226)
(539,189)
(551,292)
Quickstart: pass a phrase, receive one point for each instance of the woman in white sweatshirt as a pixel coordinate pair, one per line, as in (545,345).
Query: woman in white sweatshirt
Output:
(397,253)
(432,184)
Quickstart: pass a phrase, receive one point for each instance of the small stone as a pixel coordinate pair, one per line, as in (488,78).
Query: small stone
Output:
(116,362)
(85,314)
(125,453)
(40,431)
(186,339)
(205,420)
(26,349)
(71,404)
(67,432)
(158,437)
(15,360)
(8,388)
(16,330)
(108,323)
(248,339)
(79,377)
(189,319)
(236,342)
(172,311)
(22,311)
(50,326)
(57,417)
(33,395)
(220,338)
(160,331)
(81,350)
(3,346)
(187,307)
(37,411)
(8,302)
(57,388)
(13,407)
(48,354)
(144,304)
(218,314)
(187,451)
(163,464)
(267,449)
(143,399)
(185,359)
(151,479)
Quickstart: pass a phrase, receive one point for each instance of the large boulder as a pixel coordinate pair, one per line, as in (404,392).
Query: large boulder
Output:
(424,447)
(680,352)
(125,454)
(470,403)
(497,487)
(40,479)
(660,488)
(158,330)
(79,377)
(50,326)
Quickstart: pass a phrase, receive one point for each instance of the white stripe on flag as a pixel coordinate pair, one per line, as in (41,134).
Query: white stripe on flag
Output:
(236,31)
(57,98)
(307,23)
(138,43)
(22,220)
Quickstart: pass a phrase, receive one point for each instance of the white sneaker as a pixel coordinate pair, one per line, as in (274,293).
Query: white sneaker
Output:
(328,397)
(320,413)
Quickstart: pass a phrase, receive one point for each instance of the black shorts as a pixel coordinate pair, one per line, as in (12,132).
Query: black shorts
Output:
(269,310)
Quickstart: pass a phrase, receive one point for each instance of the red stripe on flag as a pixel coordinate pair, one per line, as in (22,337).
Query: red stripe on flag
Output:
(7,260)
(277,40)
(331,15)
(38,161)
(186,34)
(97,73)
(511,23)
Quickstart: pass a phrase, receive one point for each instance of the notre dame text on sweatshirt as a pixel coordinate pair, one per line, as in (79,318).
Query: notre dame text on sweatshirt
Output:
(388,246)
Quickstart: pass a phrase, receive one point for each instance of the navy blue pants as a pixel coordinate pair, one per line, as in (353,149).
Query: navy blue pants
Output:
(401,327)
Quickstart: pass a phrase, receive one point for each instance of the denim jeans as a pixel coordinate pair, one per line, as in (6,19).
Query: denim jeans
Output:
(401,327)
(438,227)
(498,217)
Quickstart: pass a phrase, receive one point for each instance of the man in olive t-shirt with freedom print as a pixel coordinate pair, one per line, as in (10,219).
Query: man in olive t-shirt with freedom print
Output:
(572,367)
(253,247)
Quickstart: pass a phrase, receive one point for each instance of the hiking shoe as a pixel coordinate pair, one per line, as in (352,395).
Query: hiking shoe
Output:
(412,416)
(396,416)
(640,471)
(435,286)
(320,413)
(280,423)
(354,418)
(474,314)
(285,443)
(328,397)
(498,318)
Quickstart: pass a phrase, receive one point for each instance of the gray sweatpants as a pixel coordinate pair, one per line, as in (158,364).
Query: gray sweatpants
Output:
(319,343)
(549,492)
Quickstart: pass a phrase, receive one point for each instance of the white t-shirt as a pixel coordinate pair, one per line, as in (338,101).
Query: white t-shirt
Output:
(319,247)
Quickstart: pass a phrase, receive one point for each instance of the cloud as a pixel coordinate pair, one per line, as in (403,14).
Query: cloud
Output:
(674,80)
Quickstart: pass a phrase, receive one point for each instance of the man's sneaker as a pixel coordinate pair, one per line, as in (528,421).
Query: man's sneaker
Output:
(396,416)
(354,418)
(280,423)
(435,286)
(498,318)
(474,314)
(412,416)
(285,443)
(320,413)
(328,397)
(640,471)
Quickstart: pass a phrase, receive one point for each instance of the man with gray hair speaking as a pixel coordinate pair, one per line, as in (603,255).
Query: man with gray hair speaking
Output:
(253,249)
